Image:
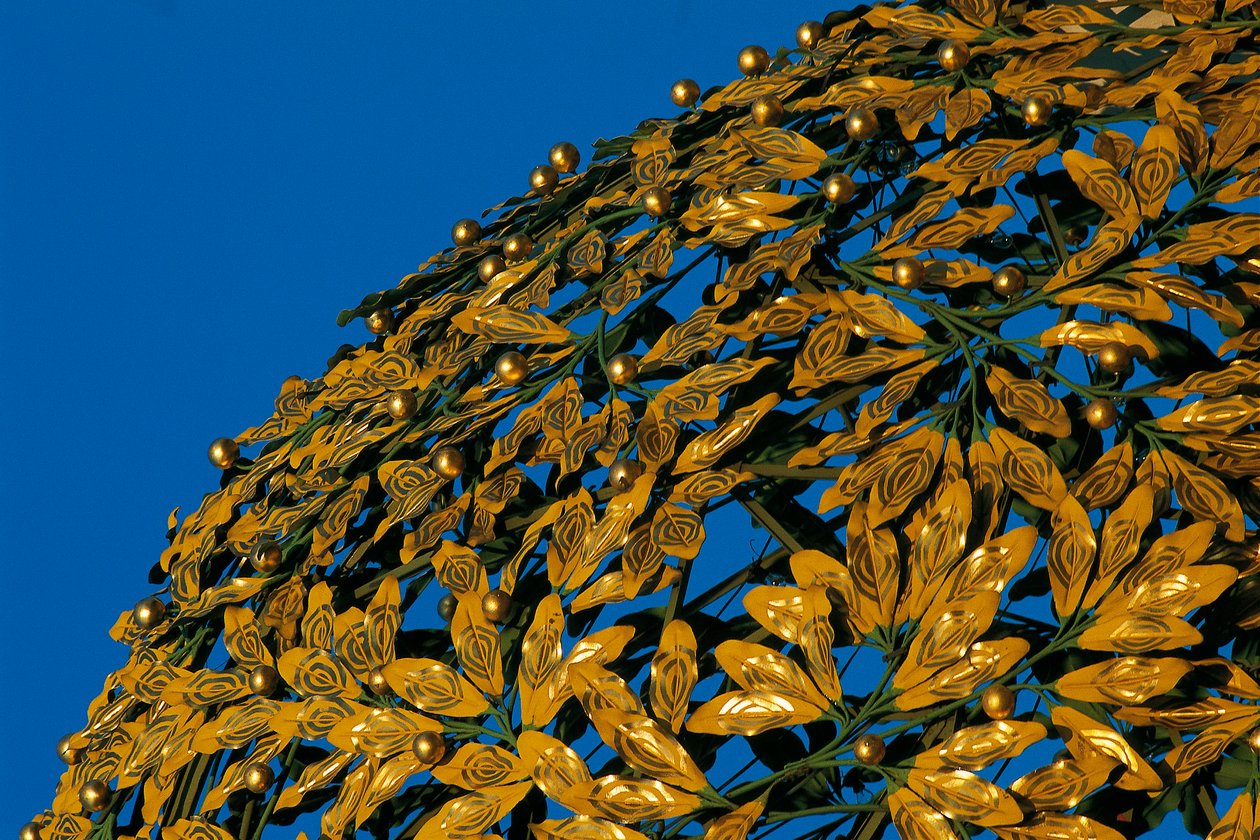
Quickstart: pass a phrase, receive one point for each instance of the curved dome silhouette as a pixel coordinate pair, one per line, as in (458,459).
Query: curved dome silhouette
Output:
(870,447)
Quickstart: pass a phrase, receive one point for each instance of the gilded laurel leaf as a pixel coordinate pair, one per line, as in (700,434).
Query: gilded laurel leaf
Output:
(1028,401)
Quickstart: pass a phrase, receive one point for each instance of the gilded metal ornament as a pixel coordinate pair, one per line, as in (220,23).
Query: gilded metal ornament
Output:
(789,458)
(224,452)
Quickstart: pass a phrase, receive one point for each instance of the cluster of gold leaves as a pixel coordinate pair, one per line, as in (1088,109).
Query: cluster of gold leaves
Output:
(931,495)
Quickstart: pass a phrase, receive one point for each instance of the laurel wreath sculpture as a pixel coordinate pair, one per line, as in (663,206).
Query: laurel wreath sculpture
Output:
(846,453)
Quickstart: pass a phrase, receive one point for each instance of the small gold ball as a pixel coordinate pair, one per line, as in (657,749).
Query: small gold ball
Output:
(448,462)
(466,232)
(148,613)
(1100,414)
(258,777)
(953,55)
(543,179)
(511,368)
(684,93)
(908,273)
(264,680)
(767,111)
(1114,357)
(223,453)
(429,747)
(30,831)
(517,247)
(1036,110)
(565,157)
(1075,235)
(808,34)
(446,607)
(71,755)
(497,605)
(753,61)
(1009,281)
(380,321)
(869,749)
(266,557)
(95,796)
(1253,741)
(490,267)
(623,473)
(998,702)
(861,124)
(656,201)
(401,405)
(623,368)
(838,188)
(377,683)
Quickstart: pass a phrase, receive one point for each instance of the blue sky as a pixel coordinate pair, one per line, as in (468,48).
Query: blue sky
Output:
(189,193)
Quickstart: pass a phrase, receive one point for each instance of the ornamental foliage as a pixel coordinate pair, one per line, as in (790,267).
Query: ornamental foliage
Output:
(872,448)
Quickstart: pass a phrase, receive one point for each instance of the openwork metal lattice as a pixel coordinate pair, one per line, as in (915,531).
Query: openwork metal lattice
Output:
(873,447)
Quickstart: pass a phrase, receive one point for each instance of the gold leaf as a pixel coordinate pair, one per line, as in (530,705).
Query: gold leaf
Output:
(434,687)
(1239,822)
(1070,555)
(477,766)
(1154,170)
(709,447)
(782,146)
(628,800)
(583,828)
(1063,784)
(380,732)
(914,819)
(472,814)
(965,796)
(508,325)
(673,674)
(815,638)
(1205,496)
(976,747)
(315,673)
(749,713)
(1086,738)
(737,824)
(1101,183)
(1028,401)
(1187,124)
(476,644)
(648,748)
(243,640)
(984,661)
(1238,131)
(1126,681)
(945,637)
(1102,484)
(1027,470)
(964,109)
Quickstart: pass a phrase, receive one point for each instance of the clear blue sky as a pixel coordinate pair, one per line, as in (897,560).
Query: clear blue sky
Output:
(189,193)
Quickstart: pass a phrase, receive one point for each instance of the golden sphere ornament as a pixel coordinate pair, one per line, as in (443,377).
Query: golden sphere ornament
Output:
(1253,741)
(446,607)
(490,267)
(264,680)
(512,368)
(869,749)
(543,179)
(656,201)
(466,232)
(998,702)
(753,60)
(808,34)
(401,405)
(95,796)
(623,368)
(517,247)
(429,747)
(448,462)
(30,831)
(266,557)
(258,777)
(68,753)
(623,473)
(377,683)
(496,605)
(953,55)
(1075,235)
(767,111)
(684,93)
(838,188)
(1036,110)
(379,321)
(861,124)
(565,157)
(224,452)
(908,273)
(1009,281)
(1114,357)
(1100,414)
(148,613)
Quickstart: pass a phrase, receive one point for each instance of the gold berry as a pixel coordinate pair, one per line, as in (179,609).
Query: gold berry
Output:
(148,613)
(1114,357)
(429,747)
(808,34)
(496,605)
(623,368)
(1100,414)
(517,247)
(861,124)
(379,321)
(953,55)
(1009,281)
(264,680)
(223,453)
(543,179)
(838,188)
(67,752)
(95,796)
(1253,741)
(753,61)
(869,749)
(998,702)
(30,831)
(622,474)
(377,683)
(684,93)
(908,273)
(767,111)
(656,201)
(448,462)
(466,232)
(266,556)
(258,777)
(1036,110)
(490,266)
(446,607)
(565,157)
(511,368)
(401,405)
